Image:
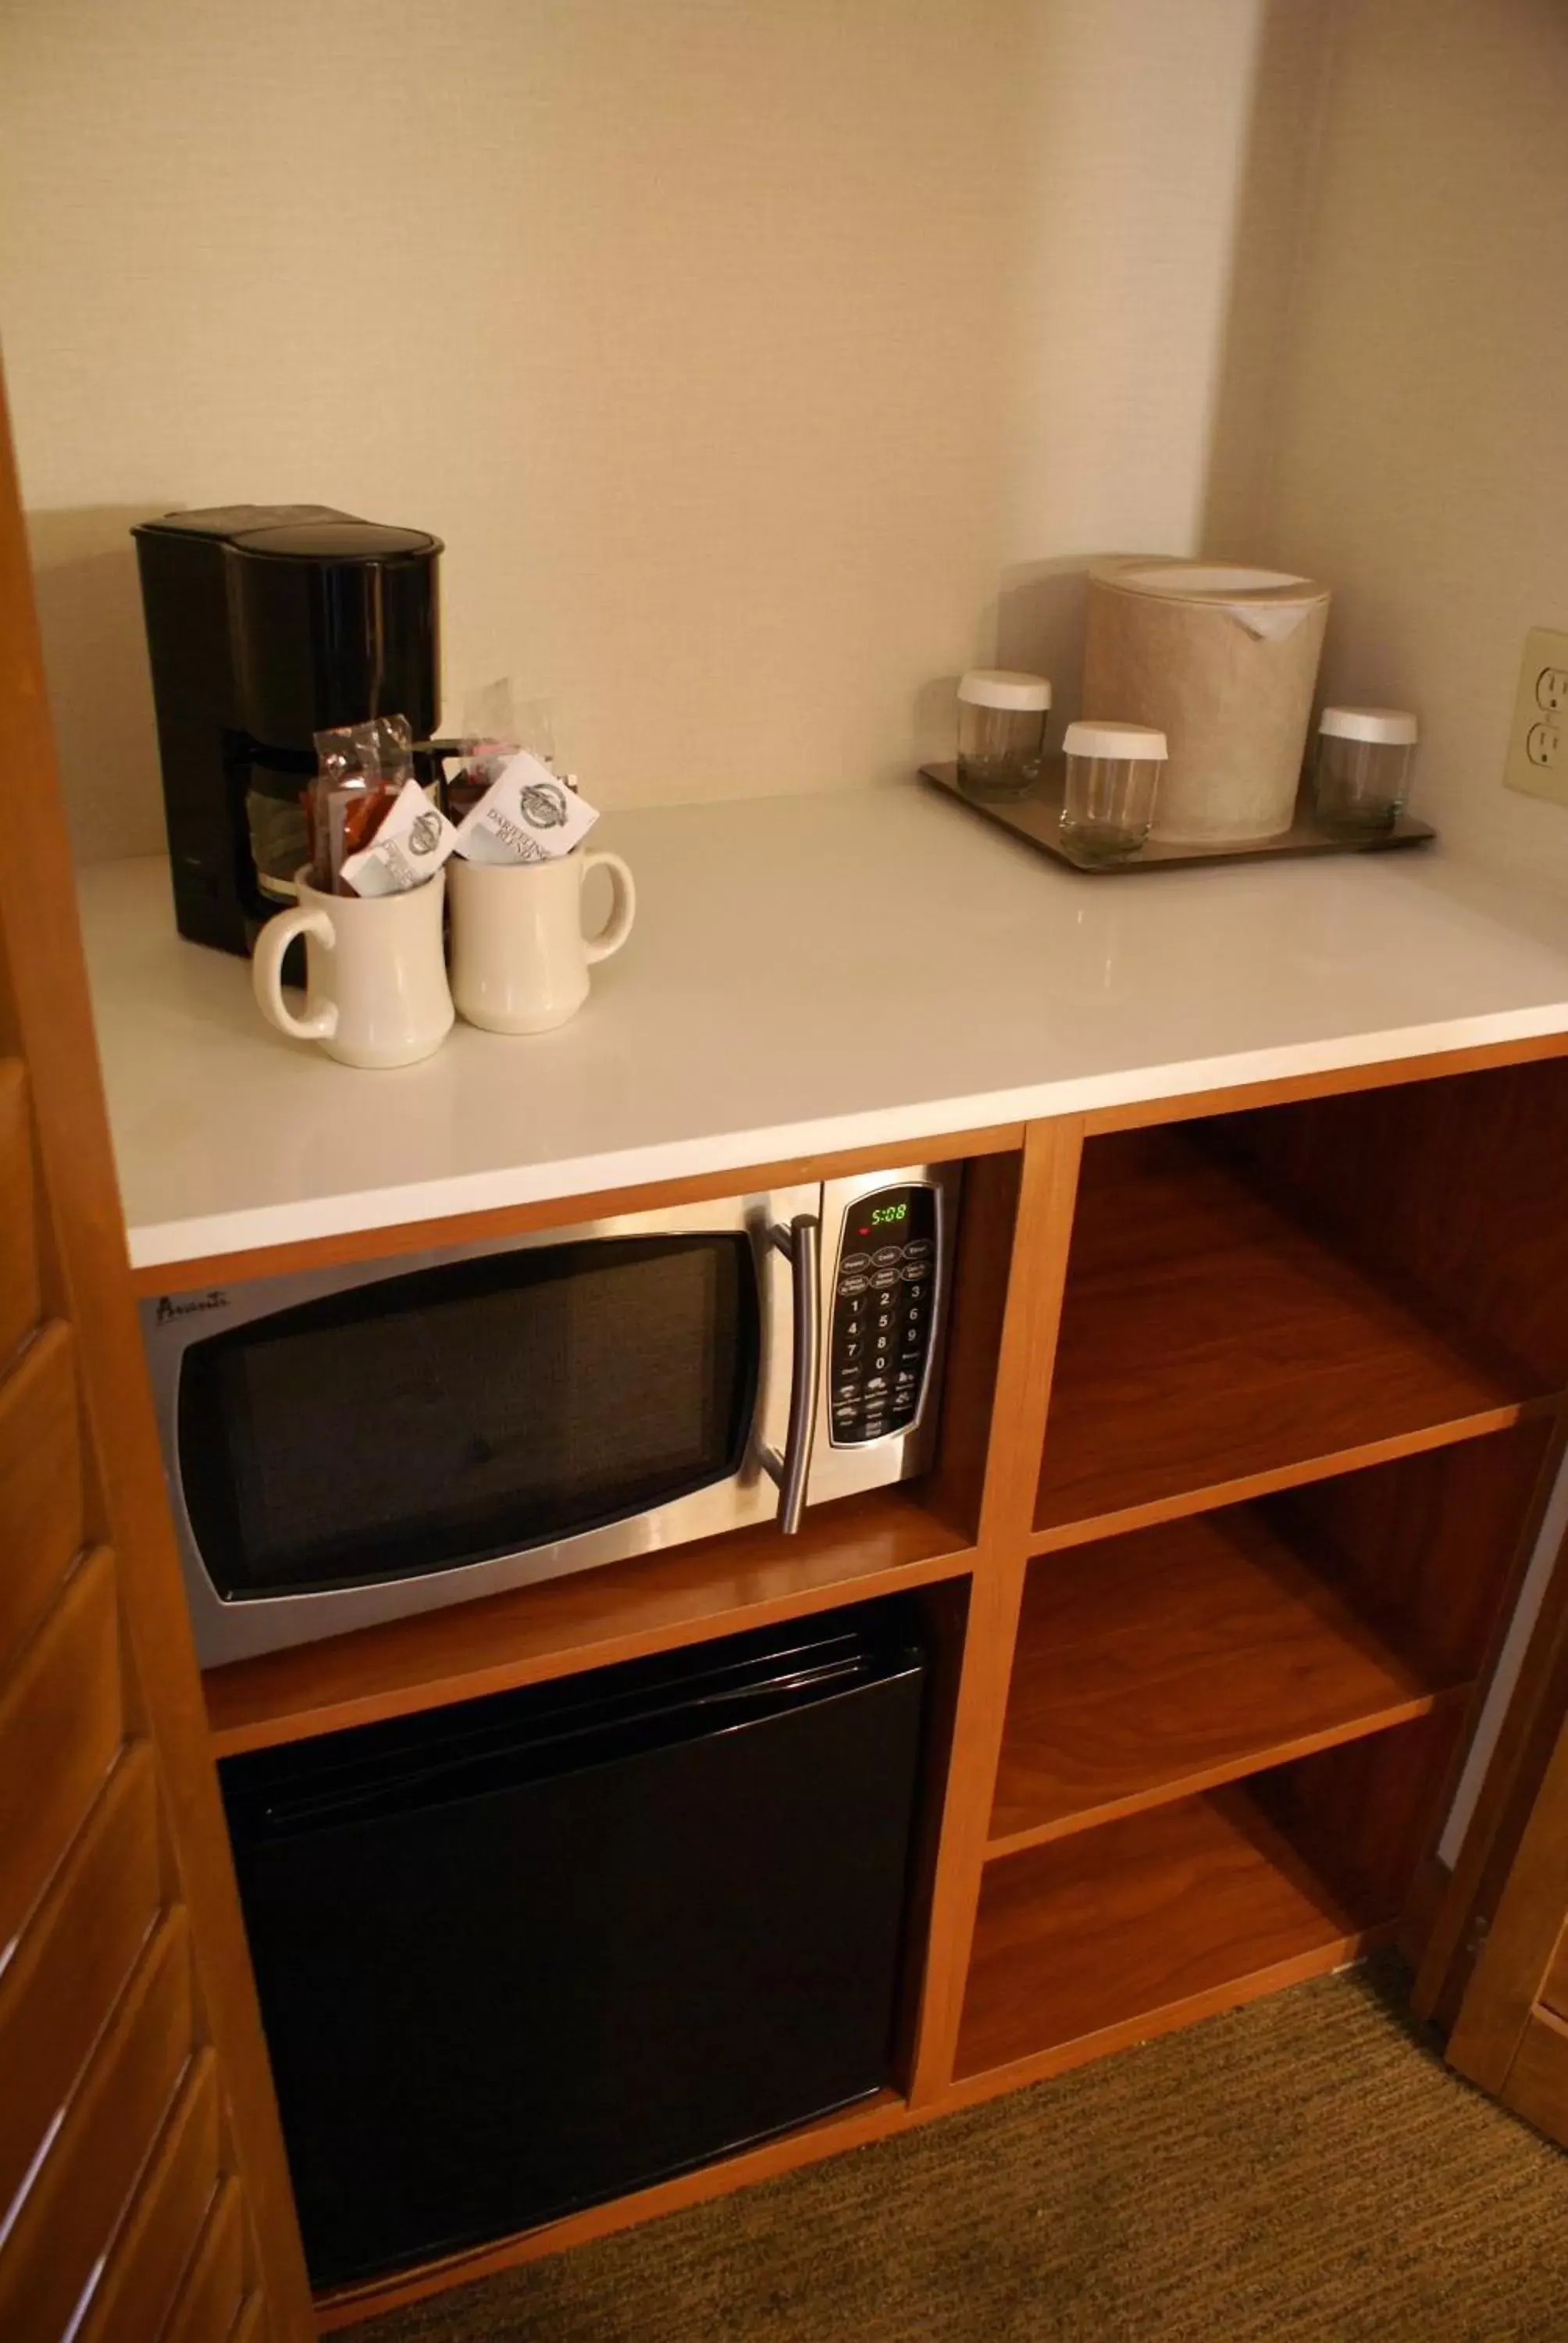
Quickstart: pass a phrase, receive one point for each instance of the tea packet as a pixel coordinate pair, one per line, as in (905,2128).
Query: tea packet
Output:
(527,814)
(466,778)
(494,728)
(410,844)
(364,768)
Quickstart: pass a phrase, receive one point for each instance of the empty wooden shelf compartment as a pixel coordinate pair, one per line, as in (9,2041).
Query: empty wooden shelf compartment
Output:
(1112,1934)
(1189,1907)
(1166,1661)
(1213,1346)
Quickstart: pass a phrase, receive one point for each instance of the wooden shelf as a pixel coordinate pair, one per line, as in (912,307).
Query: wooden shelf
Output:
(1176,1658)
(1213,1348)
(847,1552)
(1114,1933)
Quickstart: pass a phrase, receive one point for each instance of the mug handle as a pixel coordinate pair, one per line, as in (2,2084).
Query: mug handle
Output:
(623,909)
(266,974)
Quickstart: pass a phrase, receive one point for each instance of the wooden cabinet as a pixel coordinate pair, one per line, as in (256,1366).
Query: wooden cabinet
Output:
(144,2190)
(1304,1408)
(1248,1424)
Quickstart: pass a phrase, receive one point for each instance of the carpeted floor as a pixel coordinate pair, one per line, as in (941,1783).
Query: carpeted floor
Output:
(1301,2171)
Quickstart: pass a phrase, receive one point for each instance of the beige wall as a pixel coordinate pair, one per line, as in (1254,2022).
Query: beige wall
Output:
(758,359)
(765,361)
(1422,458)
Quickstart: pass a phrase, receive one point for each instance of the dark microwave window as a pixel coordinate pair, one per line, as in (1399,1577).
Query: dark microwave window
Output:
(461,1413)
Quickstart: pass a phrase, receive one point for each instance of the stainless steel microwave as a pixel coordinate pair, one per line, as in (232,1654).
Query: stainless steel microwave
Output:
(353,1444)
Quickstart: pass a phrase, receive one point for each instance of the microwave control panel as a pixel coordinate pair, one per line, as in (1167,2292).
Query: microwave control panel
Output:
(884,1292)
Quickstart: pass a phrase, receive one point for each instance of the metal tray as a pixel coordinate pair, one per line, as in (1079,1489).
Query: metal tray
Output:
(1038,818)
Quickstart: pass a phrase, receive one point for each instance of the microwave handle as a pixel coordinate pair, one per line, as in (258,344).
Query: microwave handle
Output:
(801,1245)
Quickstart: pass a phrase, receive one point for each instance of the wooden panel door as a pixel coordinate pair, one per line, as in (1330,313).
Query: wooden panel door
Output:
(1511,2035)
(143,2188)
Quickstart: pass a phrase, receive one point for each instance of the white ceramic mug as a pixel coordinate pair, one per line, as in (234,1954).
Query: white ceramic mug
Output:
(521,961)
(376,982)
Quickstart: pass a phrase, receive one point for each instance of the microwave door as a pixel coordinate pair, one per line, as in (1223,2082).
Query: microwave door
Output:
(543,1405)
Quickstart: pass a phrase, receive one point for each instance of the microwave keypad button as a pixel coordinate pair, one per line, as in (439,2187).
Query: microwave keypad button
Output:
(884,1254)
(919,1249)
(855,1260)
(915,1278)
(851,1285)
(884,1277)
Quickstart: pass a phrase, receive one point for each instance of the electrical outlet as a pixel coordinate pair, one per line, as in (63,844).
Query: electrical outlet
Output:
(1538,743)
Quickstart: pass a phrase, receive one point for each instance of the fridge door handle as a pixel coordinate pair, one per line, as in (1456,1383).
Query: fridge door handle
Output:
(800,1244)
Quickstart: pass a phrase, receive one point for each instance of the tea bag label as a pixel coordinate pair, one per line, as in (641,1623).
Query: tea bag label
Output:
(410,847)
(526,815)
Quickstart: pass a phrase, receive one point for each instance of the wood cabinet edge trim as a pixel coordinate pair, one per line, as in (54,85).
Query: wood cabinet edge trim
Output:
(1042,1231)
(307,1721)
(1284,1090)
(395,1238)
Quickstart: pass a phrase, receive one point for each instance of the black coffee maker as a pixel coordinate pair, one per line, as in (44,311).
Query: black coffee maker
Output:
(267,624)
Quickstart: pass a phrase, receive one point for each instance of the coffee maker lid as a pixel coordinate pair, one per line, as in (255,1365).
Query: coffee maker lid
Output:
(337,541)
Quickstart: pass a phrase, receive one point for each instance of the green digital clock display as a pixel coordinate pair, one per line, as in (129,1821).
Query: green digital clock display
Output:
(883,1215)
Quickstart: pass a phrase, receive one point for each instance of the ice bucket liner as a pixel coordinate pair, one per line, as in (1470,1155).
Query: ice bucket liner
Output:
(1224,662)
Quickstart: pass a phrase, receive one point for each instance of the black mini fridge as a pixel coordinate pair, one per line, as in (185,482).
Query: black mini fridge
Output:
(526,1954)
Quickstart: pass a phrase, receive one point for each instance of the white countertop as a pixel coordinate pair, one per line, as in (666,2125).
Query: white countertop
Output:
(807,974)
